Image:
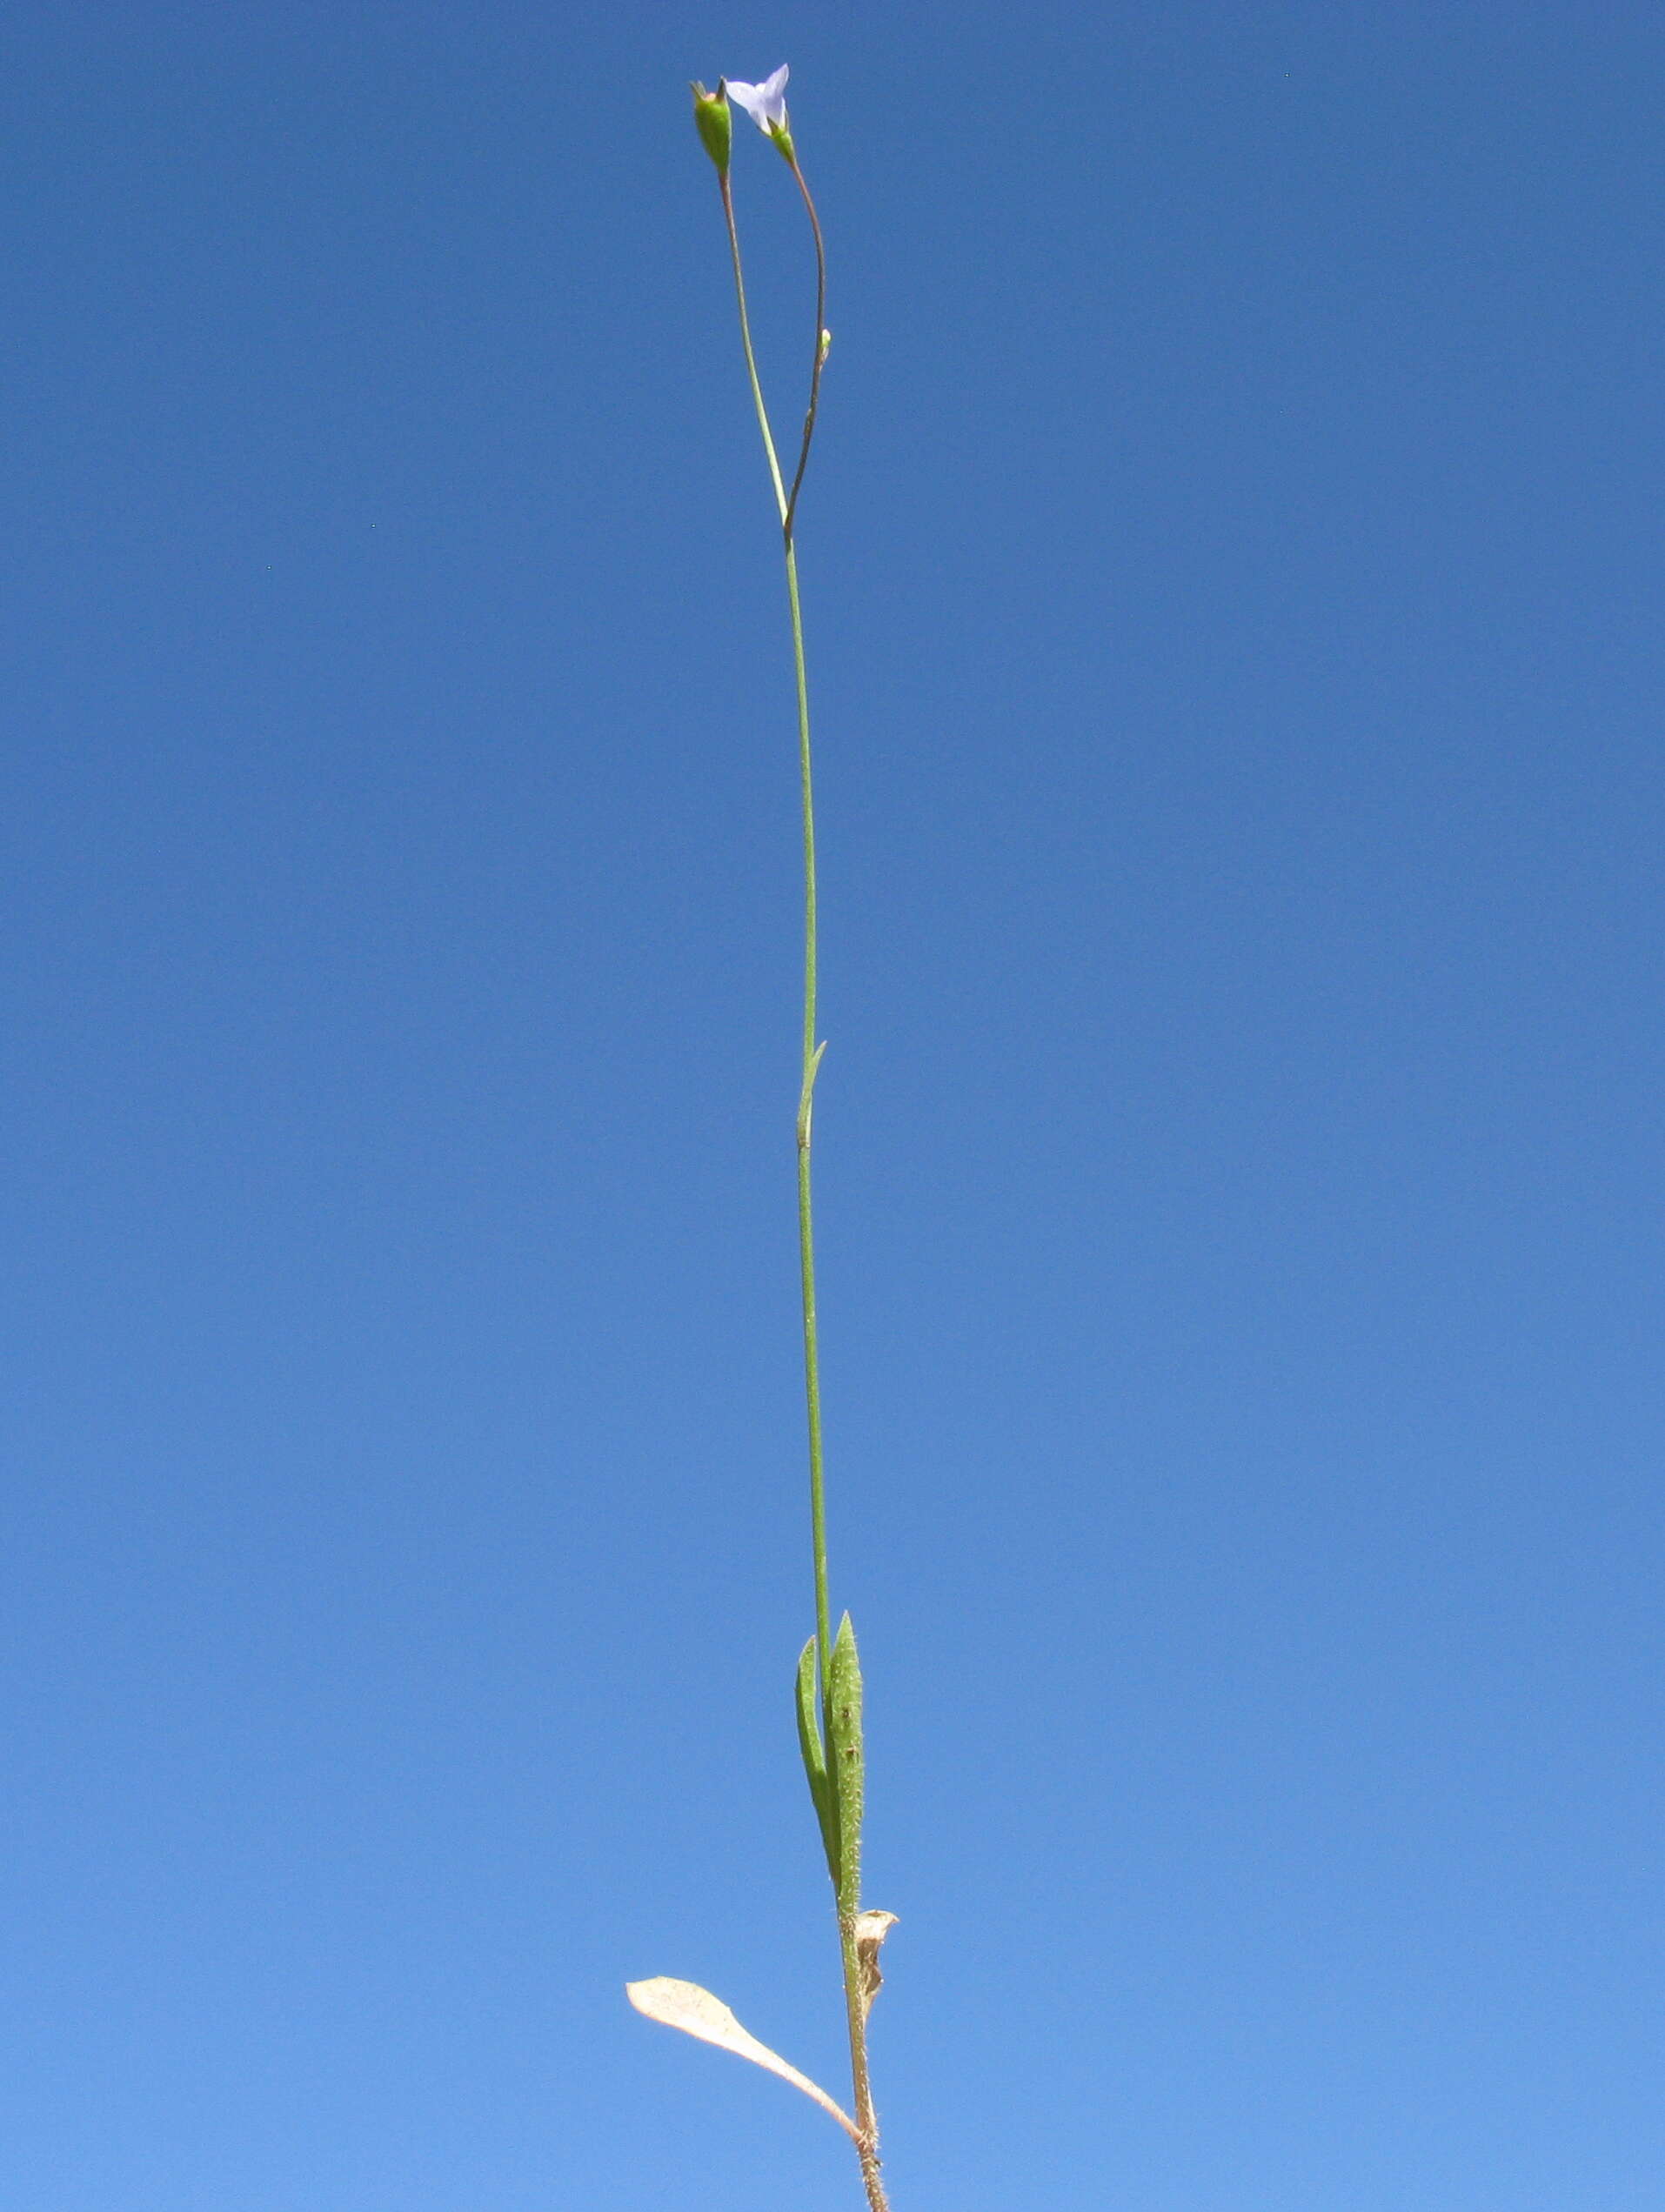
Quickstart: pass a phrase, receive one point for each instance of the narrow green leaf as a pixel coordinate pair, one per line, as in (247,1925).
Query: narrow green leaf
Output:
(809,1743)
(844,1739)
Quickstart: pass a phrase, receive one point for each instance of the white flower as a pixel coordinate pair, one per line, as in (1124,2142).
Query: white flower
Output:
(765,103)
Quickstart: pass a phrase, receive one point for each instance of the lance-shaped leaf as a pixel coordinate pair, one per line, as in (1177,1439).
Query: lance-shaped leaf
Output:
(809,1743)
(696,2012)
(845,1760)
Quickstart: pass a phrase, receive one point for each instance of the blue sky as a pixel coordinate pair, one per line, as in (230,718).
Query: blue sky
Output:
(1232,564)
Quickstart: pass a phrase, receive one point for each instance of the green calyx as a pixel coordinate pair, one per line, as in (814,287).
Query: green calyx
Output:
(714,120)
(782,137)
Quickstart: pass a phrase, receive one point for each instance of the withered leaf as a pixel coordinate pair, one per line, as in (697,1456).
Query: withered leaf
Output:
(872,1928)
(696,2012)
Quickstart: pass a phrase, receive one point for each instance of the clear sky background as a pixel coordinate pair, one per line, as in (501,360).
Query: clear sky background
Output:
(1233,567)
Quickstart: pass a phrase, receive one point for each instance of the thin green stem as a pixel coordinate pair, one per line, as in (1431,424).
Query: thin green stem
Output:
(811,1057)
(855,1997)
(806,1106)
(746,342)
(811,1051)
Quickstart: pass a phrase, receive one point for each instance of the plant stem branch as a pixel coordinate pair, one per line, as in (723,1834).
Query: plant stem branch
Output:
(812,1056)
(746,343)
(817,358)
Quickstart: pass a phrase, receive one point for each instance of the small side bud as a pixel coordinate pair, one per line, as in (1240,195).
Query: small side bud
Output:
(714,122)
(826,345)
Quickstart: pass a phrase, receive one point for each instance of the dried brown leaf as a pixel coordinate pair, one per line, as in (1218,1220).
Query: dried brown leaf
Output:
(696,2012)
(872,1928)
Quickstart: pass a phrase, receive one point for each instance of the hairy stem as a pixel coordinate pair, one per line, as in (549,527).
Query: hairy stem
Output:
(867,2119)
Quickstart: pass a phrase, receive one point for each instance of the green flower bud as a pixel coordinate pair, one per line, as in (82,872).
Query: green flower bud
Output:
(714,122)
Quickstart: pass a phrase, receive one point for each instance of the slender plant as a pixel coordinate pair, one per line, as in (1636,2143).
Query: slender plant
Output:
(827,1689)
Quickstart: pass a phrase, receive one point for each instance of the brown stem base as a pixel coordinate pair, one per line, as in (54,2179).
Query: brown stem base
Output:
(868,2153)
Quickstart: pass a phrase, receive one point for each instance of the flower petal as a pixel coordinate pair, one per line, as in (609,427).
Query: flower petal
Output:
(766,102)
